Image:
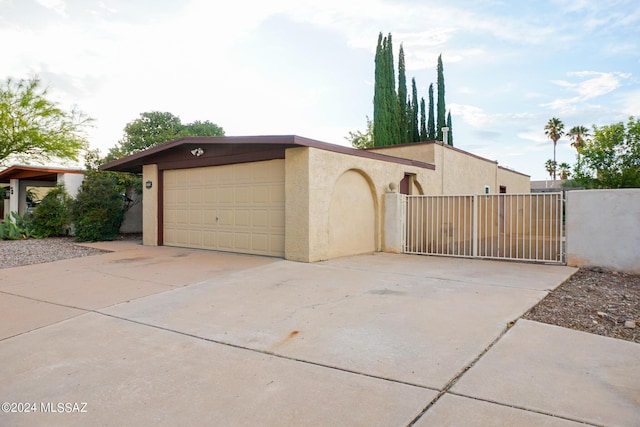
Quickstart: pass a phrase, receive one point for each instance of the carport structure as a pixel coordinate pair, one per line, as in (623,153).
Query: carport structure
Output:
(19,178)
(283,196)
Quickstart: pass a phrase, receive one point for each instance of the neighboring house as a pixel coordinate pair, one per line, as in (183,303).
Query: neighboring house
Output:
(21,178)
(289,196)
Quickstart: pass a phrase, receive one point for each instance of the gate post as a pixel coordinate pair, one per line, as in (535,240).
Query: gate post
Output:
(394,219)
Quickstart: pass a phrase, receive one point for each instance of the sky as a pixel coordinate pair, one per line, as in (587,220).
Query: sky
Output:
(284,67)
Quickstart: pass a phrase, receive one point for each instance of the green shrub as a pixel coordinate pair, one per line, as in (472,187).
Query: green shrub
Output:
(98,210)
(52,216)
(16,227)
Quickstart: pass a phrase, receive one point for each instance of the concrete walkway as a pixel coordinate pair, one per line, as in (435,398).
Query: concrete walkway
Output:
(166,336)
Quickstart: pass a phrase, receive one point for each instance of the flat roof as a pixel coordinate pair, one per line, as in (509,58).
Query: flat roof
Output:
(36,173)
(133,163)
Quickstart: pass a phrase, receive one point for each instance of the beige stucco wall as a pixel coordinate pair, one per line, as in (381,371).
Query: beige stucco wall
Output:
(352,216)
(310,182)
(459,172)
(150,205)
(514,181)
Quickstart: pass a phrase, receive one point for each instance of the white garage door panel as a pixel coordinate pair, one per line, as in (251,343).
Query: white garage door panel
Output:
(236,208)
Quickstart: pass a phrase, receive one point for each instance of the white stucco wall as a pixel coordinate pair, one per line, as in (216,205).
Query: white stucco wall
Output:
(603,229)
(71,181)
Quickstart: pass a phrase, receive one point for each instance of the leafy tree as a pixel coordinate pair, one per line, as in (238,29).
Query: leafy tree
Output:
(442,120)
(360,139)
(550,166)
(565,170)
(199,128)
(611,159)
(155,127)
(554,130)
(431,126)
(450,126)
(34,128)
(578,135)
(423,120)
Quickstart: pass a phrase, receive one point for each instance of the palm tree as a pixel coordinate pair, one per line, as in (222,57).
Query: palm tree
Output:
(565,170)
(554,130)
(550,166)
(577,135)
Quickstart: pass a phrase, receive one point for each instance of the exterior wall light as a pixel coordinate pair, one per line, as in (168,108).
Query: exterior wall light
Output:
(148,184)
(197,152)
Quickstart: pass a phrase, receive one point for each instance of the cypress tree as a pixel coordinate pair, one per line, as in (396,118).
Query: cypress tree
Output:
(442,120)
(403,130)
(392,119)
(450,135)
(423,125)
(415,131)
(431,126)
(379,128)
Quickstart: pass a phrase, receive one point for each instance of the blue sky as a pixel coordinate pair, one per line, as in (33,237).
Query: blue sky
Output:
(306,68)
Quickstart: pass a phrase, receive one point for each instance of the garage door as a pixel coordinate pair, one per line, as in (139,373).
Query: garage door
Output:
(235,208)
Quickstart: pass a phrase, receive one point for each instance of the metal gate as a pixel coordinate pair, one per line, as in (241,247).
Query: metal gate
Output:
(526,227)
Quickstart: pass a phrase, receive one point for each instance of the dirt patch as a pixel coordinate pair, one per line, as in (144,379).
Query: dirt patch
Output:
(595,301)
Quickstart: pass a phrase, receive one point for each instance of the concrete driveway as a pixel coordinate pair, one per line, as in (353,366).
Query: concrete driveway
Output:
(165,336)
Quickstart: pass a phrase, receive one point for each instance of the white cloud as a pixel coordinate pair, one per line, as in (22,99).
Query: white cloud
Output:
(58,6)
(478,118)
(596,84)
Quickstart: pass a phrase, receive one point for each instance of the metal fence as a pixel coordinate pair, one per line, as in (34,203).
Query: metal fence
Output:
(504,226)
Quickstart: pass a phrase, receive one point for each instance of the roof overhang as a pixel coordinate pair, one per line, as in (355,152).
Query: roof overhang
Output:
(35,173)
(234,149)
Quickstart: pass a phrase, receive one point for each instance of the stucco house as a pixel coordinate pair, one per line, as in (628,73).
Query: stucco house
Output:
(292,197)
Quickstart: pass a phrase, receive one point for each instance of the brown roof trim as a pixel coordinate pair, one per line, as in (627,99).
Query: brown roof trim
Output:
(513,171)
(31,172)
(134,162)
(440,143)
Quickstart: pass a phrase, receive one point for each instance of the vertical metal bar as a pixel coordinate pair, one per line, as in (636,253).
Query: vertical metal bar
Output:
(544,227)
(517,226)
(475,226)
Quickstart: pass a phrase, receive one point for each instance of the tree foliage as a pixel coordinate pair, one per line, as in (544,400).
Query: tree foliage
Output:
(550,167)
(450,133)
(415,108)
(565,170)
(578,134)
(385,102)
(442,109)
(155,127)
(554,129)
(99,207)
(431,125)
(423,122)
(52,216)
(611,159)
(34,128)
(402,109)
(360,139)
(395,117)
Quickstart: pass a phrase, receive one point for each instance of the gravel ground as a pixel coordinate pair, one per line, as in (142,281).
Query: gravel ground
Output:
(14,253)
(600,302)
